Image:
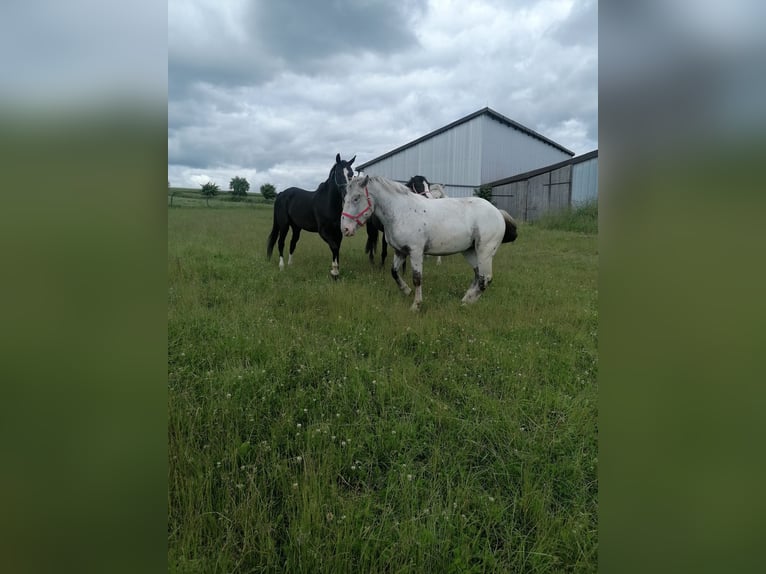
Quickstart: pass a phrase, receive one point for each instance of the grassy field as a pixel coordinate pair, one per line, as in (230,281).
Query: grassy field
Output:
(318,426)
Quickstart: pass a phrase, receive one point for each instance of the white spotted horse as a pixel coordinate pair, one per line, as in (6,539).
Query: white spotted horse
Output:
(315,211)
(417,184)
(416,226)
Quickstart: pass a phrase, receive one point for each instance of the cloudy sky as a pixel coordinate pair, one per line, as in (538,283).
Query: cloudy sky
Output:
(272,90)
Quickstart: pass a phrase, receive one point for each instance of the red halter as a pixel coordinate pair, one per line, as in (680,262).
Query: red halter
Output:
(358,215)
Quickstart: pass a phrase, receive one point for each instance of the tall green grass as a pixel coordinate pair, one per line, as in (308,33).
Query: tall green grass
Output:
(579,219)
(319,426)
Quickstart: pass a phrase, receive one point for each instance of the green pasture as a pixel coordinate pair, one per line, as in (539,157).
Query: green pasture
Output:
(322,427)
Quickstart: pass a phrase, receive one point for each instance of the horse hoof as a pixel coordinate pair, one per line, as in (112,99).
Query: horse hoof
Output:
(415,308)
(406,291)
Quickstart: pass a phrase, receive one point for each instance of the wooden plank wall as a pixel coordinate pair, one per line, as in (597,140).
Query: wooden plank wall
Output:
(529,199)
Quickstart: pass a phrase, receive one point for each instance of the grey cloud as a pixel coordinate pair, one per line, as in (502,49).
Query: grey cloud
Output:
(580,28)
(284,103)
(298,35)
(304,31)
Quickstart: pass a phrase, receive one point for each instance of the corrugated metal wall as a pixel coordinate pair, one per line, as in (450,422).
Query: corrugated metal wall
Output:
(452,157)
(467,155)
(585,181)
(507,151)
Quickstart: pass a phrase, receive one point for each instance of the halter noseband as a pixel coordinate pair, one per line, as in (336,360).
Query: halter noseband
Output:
(424,193)
(358,215)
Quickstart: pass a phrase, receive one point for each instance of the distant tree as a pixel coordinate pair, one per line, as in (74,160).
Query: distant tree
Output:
(485,192)
(209,190)
(268,191)
(239,187)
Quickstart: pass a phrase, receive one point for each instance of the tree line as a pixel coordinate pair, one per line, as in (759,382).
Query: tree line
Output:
(239,187)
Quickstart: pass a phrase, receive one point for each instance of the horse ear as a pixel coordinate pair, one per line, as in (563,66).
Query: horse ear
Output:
(337,158)
(365,180)
(352,160)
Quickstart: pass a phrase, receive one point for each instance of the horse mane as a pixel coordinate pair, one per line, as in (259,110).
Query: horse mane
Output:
(391,184)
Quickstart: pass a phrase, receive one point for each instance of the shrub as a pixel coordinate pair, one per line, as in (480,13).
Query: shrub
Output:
(485,192)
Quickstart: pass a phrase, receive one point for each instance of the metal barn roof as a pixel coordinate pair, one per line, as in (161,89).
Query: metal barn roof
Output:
(534,172)
(489,112)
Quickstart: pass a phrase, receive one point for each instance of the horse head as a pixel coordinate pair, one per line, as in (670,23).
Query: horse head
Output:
(357,206)
(341,173)
(419,184)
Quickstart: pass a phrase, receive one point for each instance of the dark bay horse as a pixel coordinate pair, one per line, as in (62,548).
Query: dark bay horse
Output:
(417,184)
(316,211)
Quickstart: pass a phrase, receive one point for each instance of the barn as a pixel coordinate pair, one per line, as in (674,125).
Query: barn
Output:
(527,196)
(478,149)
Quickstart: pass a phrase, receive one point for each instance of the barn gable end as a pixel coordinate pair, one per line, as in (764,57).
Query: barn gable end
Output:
(479,148)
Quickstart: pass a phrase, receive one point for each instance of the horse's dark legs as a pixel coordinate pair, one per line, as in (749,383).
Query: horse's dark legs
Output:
(335,268)
(281,246)
(399,257)
(333,238)
(372,242)
(293,242)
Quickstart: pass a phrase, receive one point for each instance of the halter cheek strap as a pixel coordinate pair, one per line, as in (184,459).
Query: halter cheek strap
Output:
(424,193)
(358,215)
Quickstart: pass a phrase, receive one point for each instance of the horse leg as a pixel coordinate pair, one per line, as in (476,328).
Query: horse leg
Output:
(474,290)
(399,257)
(372,242)
(333,239)
(416,260)
(281,246)
(383,251)
(482,273)
(438,259)
(293,242)
(335,267)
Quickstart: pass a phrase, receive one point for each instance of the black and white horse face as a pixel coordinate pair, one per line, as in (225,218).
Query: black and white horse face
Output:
(343,172)
(418,184)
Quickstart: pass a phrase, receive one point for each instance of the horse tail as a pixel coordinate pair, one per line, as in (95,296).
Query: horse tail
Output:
(274,231)
(510,227)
